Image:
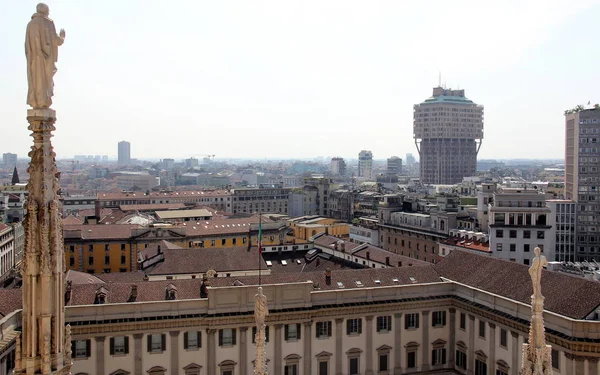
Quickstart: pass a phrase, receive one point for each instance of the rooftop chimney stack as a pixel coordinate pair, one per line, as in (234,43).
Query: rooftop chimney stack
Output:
(387,261)
(368,255)
(328,276)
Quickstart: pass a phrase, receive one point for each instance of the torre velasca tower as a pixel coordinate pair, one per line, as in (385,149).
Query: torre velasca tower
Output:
(448,131)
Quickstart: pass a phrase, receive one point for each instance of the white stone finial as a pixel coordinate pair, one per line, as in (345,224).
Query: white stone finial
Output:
(260,312)
(537,356)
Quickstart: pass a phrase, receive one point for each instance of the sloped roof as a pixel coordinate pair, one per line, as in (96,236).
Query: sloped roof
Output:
(564,294)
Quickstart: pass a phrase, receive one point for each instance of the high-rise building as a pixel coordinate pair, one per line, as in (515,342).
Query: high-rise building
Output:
(338,166)
(563,219)
(582,179)
(394,166)
(410,159)
(124,153)
(365,164)
(9,160)
(448,130)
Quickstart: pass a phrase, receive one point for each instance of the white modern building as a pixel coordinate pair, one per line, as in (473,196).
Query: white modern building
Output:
(519,221)
(338,166)
(563,220)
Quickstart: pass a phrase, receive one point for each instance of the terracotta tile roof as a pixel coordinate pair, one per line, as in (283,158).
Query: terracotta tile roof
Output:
(85,294)
(379,255)
(200,260)
(98,231)
(92,212)
(10,300)
(122,277)
(222,226)
(77,277)
(72,220)
(152,249)
(330,241)
(564,294)
(3,227)
(468,244)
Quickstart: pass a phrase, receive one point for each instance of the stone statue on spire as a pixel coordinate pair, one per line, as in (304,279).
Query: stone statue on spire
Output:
(537,356)
(260,312)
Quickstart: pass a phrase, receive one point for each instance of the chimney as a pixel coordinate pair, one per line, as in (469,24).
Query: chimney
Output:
(159,250)
(399,263)
(387,261)
(318,261)
(203,289)
(133,294)
(343,244)
(368,255)
(328,276)
(335,246)
(97,209)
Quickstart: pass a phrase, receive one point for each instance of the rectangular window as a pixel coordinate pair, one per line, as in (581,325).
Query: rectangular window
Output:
(411,359)
(438,319)
(383,362)
(499,233)
(119,345)
(499,218)
(107,260)
(480,367)
(156,342)
(91,248)
(503,337)
(555,359)
(323,330)
(244,240)
(463,321)
(81,348)
(212,243)
(323,368)
(223,241)
(498,247)
(527,234)
(192,340)
(540,234)
(71,261)
(292,332)
(526,247)
(122,246)
(512,234)
(91,261)
(501,371)
(233,241)
(513,247)
(461,359)
(354,368)
(123,259)
(227,337)
(290,370)
(411,321)
(354,326)
(482,329)
(106,247)
(384,323)
(438,356)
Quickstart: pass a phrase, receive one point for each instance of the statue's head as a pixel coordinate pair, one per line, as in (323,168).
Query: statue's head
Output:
(537,251)
(42,8)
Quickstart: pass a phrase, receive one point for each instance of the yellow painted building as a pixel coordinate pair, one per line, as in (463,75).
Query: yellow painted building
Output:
(104,248)
(307,226)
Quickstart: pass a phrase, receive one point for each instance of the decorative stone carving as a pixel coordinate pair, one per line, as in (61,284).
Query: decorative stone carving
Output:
(537,356)
(260,312)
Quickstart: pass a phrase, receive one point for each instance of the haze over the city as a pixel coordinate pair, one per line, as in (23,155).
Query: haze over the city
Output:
(301,79)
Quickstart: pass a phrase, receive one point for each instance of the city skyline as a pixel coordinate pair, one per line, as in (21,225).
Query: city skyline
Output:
(311,81)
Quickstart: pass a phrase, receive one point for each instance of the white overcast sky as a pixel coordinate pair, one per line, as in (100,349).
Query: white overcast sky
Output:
(301,79)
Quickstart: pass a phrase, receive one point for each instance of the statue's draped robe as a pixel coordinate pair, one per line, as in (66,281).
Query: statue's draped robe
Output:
(41,50)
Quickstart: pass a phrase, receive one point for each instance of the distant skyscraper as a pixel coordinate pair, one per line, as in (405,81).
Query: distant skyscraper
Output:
(394,166)
(582,179)
(365,164)
(338,166)
(448,130)
(9,160)
(410,159)
(124,153)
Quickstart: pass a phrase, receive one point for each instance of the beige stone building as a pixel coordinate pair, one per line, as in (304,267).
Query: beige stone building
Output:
(468,314)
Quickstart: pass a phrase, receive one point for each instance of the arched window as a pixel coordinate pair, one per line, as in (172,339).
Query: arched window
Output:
(157,370)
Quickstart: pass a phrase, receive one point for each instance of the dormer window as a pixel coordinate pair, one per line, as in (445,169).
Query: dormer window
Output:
(171,292)
(101,296)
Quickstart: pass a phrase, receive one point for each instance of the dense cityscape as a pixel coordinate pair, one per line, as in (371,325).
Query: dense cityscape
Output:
(430,261)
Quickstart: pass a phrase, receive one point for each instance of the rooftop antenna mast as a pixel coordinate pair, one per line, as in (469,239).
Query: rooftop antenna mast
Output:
(439,78)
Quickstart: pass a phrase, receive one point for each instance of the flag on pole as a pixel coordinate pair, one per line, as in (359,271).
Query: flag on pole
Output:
(260,250)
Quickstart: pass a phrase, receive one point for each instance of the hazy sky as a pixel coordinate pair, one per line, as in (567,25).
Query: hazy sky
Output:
(303,78)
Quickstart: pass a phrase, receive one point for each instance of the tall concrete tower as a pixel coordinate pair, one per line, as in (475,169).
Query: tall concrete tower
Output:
(448,130)
(365,164)
(582,176)
(124,153)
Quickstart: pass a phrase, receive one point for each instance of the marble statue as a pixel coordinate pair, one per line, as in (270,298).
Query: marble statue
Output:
(260,308)
(535,271)
(41,50)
